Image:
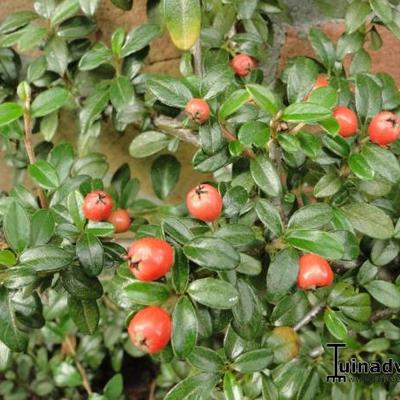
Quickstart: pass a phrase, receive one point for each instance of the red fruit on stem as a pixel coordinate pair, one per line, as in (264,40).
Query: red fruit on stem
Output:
(384,128)
(150,258)
(204,202)
(347,120)
(97,205)
(150,329)
(242,64)
(120,219)
(198,110)
(313,271)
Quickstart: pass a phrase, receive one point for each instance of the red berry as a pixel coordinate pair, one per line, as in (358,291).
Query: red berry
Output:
(347,120)
(120,219)
(150,258)
(242,64)
(384,128)
(313,271)
(321,81)
(150,329)
(204,202)
(97,205)
(198,110)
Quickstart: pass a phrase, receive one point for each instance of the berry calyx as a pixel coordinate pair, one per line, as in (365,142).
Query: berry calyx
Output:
(313,271)
(242,64)
(204,202)
(384,128)
(97,205)
(347,120)
(150,258)
(150,329)
(120,219)
(198,110)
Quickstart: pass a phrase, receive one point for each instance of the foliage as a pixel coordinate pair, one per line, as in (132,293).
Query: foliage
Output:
(291,184)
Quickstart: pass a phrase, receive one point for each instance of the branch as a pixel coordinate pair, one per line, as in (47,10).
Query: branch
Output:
(85,380)
(310,316)
(28,140)
(196,52)
(173,127)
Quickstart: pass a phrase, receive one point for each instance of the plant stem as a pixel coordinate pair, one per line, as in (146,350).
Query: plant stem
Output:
(28,140)
(174,128)
(196,51)
(85,380)
(310,315)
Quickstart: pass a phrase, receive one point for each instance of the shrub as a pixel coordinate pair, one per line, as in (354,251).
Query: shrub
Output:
(292,245)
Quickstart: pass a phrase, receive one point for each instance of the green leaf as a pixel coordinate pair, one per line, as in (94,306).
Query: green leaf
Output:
(48,126)
(10,112)
(360,62)
(31,36)
(233,103)
(327,186)
(368,95)
(313,241)
(42,227)
(180,272)
(369,220)
(384,251)
(193,386)
(212,253)
(184,328)
(89,7)
(382,162)
(264,98)
(348,44)
(385,292)
(100,228)
(301,78)
(214,293)
(218,78)
(80,285)
(282,274)
(325,96)
(269,216)
(99,54)
(265,176)
(74,204)
(232,388)
(146,293)
(211,138)
(147,143)
(17,20)
(46,258)
(305,112)
(44,174)
(356,14)
(10,335)
(170,91)
(241,237)
(49,101)
(254,133)
(90,253)
(93,108)
(66,375)
(17,227)
(7,258)
(206,359)
(383,9)
(139,38)
(61,158)
(204,163)
(114,387)
(121,92)
(323,47)
(335,325)
(64,10)
(85,314)
(360,167)
(177,229)
(253,361)
(125,5)
(183,20)
(311,216)
(165,173)
(249,265)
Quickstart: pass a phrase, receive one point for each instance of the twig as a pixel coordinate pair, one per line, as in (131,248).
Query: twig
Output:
(297,128)
(196,52)
(310,316)
(152,390)
(230,137)
(85,380)
(28,140)
(173,127)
